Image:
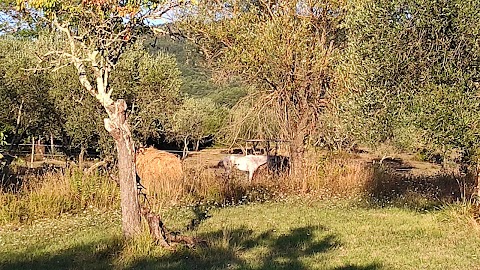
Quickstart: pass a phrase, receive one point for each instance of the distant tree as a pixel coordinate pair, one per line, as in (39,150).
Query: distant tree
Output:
(194,121)
(81,115)
(26,109)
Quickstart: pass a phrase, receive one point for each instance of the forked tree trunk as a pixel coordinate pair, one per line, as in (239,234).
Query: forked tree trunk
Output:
(185,147)
(119,128)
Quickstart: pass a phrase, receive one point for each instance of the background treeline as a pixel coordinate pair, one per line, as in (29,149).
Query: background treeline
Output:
(331,74)
(170,95)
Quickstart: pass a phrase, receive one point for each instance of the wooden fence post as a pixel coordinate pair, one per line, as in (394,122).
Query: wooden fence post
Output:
(33,152)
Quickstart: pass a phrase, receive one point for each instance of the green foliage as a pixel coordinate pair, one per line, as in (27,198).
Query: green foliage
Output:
(55,102)
(413,66)
(81,116)
(24,93)
(151,87)
(195,120)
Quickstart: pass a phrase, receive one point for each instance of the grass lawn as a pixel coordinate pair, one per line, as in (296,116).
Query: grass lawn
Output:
(283,235)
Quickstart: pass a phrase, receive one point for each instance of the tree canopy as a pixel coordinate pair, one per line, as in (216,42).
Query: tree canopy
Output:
(414,69)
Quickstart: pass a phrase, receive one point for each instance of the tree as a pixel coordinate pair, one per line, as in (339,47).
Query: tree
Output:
(150,84)
(194,121)
(81,116)
(26,109)
(413,68)
(284,48)
(96,33)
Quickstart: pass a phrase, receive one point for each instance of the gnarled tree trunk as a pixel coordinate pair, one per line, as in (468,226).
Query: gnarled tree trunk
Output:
(118,127)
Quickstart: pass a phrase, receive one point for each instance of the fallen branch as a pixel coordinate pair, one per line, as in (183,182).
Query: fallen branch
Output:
(96,166)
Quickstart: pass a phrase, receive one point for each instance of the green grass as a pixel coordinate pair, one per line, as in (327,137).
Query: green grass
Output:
(295,234)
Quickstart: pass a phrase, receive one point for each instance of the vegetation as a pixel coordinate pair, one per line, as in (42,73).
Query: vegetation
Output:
(326,76)
(195,121)
(293,76)
(95,35)
(288,235)
(418,74)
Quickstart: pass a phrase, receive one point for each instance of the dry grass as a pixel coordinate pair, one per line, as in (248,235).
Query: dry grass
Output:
(57,192)
(332,175)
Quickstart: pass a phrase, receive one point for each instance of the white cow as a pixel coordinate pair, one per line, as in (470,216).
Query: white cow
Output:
(248,163)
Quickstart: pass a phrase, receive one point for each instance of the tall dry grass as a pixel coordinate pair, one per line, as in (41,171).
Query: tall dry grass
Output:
(57,192)
(333,175)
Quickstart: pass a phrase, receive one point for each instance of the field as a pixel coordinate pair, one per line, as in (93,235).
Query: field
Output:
(404,222)
(293,234)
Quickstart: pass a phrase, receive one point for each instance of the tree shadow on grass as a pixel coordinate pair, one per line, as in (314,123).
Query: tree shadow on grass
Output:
(275,251)
(271,250)
(94,255)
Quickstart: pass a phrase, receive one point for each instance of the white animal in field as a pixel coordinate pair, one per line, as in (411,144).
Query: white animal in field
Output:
(248,163)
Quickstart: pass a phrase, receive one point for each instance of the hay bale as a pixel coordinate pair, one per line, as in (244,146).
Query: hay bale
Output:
(160,172)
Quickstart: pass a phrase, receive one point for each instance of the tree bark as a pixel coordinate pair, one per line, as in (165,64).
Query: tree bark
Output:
(185,147)
(197,145)
(52,149)
(17,126)
(119,128)
(297,153)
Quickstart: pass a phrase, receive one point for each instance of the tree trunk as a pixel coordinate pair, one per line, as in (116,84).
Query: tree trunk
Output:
(17,126)
(185,147)
(119,128)
(297,152)
(197,145)
(52,149)
(478,183)
(32,155)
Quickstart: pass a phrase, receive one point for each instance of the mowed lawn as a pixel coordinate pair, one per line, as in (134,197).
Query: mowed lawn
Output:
(283,235)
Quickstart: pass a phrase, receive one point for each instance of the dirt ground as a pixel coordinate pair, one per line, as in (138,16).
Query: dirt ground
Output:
(402,163)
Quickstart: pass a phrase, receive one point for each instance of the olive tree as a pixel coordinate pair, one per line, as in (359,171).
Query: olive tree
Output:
(95,35)
(413,68)
(150,84)
(194,121)
(26,108)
